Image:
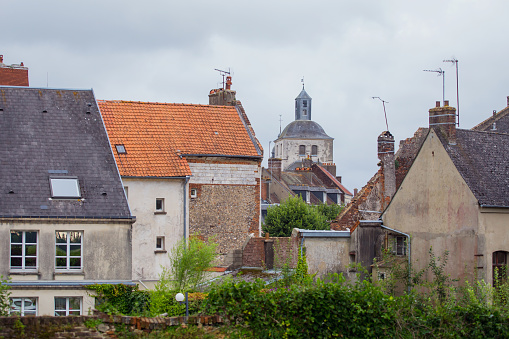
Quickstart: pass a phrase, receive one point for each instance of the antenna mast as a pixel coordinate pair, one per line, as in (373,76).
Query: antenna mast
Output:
(440,72)
(455,61)
(223,73)
(383,103)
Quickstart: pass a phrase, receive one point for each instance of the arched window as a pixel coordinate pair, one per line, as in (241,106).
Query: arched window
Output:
(314,150)
(302,150)
(499,266)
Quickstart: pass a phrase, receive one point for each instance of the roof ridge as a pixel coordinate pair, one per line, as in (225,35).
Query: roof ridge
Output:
(163,103)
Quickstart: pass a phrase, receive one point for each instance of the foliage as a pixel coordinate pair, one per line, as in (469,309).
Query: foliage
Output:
(4,296)
(329,211)
(120,299)
(92,323)
(188,265)
(290,214)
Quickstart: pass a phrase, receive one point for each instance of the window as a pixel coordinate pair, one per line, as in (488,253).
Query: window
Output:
(159,205)
(499,259)
(381,275)
(23,250)
(23,306)
(194,193)
(120,149)
(314,150)
(65,188)
(302,150)
(304,112)
(68,250)
(400,246)
(305,103)
(65,306)
(160,243)
(126,190)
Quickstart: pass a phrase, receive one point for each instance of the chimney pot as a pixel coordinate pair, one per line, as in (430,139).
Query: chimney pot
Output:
(228,82)
(437,104)
(354,192)
(2,61)
(446,102)
(21,64)
(494,112)
(508,100)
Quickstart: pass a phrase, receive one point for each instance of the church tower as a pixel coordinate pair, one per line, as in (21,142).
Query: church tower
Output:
(303,138)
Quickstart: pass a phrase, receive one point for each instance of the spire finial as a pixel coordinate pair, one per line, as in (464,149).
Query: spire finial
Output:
(280,120)
(302,80)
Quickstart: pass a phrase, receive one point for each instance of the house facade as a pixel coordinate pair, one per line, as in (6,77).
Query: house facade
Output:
(189,170)
(64,218)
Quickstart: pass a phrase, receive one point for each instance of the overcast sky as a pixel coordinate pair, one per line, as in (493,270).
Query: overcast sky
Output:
(347,51)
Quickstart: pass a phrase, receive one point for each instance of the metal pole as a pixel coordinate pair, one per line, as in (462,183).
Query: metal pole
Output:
(187,306)
(457,93)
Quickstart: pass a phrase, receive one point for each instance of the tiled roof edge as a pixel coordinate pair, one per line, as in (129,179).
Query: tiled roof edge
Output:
(251,136)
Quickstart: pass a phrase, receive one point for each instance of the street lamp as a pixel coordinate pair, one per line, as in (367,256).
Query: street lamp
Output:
(180,298)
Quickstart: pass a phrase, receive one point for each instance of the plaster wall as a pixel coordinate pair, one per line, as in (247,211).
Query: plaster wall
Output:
(327,255)
(493,236)
(224,173)
(435,206)
(288,150)
(150,224)
(46,298)
(106,249)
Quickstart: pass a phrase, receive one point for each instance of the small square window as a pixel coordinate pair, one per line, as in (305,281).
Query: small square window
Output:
(160,243)
(120,149)
(159,205)
(65,188)
(194,193)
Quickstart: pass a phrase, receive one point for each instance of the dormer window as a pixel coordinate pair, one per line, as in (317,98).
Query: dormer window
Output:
(65,188)
(120,149)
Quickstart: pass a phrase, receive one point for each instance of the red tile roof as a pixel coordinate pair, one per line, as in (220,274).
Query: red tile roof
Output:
(155,134)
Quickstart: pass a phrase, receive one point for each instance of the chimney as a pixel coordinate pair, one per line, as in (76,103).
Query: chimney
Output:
(443,120)
(2,61)
(223,96)
(275,167)
(355,192)
(338,179)
(330,167)
(386,156)
(13,75)
(507,99)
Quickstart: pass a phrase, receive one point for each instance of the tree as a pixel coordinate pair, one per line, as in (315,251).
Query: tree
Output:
(4,296)
(330,211)
(290,214)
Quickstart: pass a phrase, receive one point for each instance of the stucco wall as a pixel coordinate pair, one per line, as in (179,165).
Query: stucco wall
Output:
(327,255)
(288,150)
(435,206)
(150,224)
(493,236)
(106,248)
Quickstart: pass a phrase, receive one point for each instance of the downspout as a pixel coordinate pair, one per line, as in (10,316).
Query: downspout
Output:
(185,206)
(409,252)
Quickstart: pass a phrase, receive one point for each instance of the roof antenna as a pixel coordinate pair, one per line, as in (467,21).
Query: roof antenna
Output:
(302,80)
(223,73)
(455,61)
(383,103)
(440,72)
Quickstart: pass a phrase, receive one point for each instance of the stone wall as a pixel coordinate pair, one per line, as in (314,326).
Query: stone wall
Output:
(285,249)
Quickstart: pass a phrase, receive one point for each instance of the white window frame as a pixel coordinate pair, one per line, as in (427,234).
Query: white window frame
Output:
(22,311)
(23,255)
(67,310)
(162,205)
(194,193)
(69,181)
(68,256)
(160,248)
(399,248)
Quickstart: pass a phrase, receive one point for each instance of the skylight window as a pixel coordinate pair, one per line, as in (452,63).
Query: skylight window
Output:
(65,188)
(120,149)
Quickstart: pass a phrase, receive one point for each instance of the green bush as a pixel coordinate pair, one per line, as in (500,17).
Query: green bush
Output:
(4,296)
(120,299)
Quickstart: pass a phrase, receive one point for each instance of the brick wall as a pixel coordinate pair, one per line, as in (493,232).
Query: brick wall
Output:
(13,76)
(286,249)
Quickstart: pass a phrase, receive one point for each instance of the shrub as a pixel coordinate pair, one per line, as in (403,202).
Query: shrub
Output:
(4,296)
(120,299)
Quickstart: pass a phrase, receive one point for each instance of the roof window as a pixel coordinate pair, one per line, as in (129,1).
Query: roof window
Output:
(120,149)
(65,188)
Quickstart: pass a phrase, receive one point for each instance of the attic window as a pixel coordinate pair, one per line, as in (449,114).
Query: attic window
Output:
(120,149)
(65,188)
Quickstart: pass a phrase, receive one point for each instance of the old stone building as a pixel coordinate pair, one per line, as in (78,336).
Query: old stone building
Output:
(64,219)
(209,157)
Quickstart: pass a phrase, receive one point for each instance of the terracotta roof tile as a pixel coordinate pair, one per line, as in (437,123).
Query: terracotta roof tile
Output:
(155,134)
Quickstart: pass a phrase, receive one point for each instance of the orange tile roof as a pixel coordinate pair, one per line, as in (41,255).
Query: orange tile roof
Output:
(155,133)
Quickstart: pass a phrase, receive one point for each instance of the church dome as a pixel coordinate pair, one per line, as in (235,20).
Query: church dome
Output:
(303,129)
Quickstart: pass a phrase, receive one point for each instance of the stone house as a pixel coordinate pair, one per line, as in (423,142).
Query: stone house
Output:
(197,164)
(455,198)
(64,218)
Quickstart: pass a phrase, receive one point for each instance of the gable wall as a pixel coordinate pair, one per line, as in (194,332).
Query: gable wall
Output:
(435,206)
(493,226)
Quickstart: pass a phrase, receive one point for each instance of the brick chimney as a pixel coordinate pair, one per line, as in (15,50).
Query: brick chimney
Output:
(386,156)
(275,167)
(13,75)
(331,168)
(223,96)
(443,120)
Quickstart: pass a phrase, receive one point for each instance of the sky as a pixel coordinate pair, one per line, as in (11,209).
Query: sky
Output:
(347,51)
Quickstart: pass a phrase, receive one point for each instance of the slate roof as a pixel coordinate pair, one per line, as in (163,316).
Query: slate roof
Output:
(56,133)
(158,136)
(481,159)
(500,119)
(303,129)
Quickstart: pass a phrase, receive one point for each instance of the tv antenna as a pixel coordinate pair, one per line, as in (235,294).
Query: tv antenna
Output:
(455,61)
(223,73)
(383,103)
(440,72)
